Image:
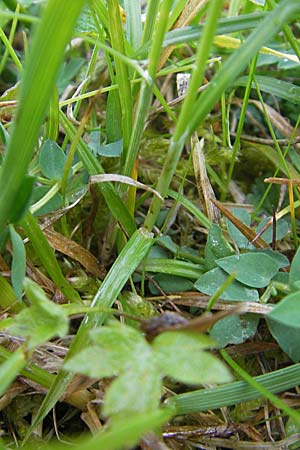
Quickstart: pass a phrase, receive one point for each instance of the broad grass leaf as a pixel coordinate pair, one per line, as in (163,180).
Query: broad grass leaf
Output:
(287,337)
(181,356)
(138,390)
(235,329)
(282,89)
(294,279)
(18,268)
(287,311)
(43,320)
(252,269)
(52,160)
(216,247)
(212,280)
(235,234)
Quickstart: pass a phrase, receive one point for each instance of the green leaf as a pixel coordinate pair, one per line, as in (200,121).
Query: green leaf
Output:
(117,348)
(112,150)
(254,270)
(212,280)
(281,260)
(170,283)
(287,337)
(18,268)
(86,23)
(235,329)
(294,279)
(52,160)
(287,311)
(43,320)
(138,390)
(282,229)
(181,356)
(216,247)
(52,205)
(280,88)
(235,234)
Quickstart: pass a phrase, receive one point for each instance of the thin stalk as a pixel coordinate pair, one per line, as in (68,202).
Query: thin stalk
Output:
(269,124)
(240,127)
(10,39)
(10,50)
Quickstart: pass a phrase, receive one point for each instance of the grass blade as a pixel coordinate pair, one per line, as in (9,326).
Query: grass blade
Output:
(37,85)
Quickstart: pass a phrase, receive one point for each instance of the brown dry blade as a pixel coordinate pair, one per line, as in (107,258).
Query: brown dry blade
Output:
(171,321)
(74,250)
(206,193)
(244,229)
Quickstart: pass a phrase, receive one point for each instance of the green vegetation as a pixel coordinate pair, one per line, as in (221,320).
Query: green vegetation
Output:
(149,195)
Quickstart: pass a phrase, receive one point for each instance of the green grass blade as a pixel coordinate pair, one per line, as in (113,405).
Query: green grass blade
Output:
(51,38)
(122,72)
(128,260)
(174,267)
(282,89)
(236,392)
(47,257)
(133,22)
(286,11)
(194,33)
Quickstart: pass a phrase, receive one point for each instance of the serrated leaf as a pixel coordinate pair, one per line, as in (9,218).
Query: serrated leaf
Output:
(136,391)
(287,337)
(18,268)
(52,160)
(116,349)
(181,356)
(287,311)
(239,238)
(43,320)
(127,343)
(216,247)
(235,329)
(294,278)
(212,280)
(254,270)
